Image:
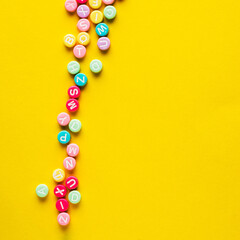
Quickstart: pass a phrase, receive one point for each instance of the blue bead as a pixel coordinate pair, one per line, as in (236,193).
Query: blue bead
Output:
(102,29)
(64,137)
(80,79)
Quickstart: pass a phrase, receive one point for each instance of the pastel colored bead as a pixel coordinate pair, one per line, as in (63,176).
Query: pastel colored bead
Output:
(107,2)
(79,51)
(96,16)
(71,183)
(80,79)
(102,29)
(83,11)
(72,150)
(73,67)
(74,197)
(82,1)
(71,5)
(95,4)
(110,12)
(96,66)
(83,38)
(64,137)
(74,92)
(42,190)
(69,40)
(69,163)
(62,205)
(83,25)
(63,119)
(103,43)
(60,191)
(75,125)
(58,175)
(72,105)
(63,219)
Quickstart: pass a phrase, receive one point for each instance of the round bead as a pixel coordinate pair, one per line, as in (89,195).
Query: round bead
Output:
(72,150)
(103,43)
(79,51)
(69,40)
(63,119)
(71,183)
(71,5)
(83,25)
(74,92)
(75,125)
(64,137)
(83,38)
(73,67)
(83,11)
(60,191)
(58,175)
(110,12)
(95,4)
(107,2)
(96,66)
(74,197)
(96,16)
(72,105)
(42,190)
(80,79)
(102,29)
(63,219)
(69,163)
(62,205)
(82,1)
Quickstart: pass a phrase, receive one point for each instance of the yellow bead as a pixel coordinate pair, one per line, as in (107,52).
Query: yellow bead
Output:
(69,40)
(83,38)
(58,175)
(95,4)
(96,16)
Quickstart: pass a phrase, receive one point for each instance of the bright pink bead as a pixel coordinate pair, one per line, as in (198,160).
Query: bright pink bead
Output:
(74,92)
(62,205)
(72,105)
(82,1)
(103,43)
(107,2)
(83,11)
(79,51)
(63,219)
(63,119)
(83,25)
(69,163)
(72,150)
(60,191)
(71,183)
(71,5)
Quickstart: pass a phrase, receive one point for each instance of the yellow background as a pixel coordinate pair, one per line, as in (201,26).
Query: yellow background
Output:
(160,155)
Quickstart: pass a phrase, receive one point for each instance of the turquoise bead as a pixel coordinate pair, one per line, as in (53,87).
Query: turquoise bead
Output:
(102,29)
(80,79)
(110,12)
(73,67)
(75,125)
(74,197)
(42,190)
(64,137)
(96,66)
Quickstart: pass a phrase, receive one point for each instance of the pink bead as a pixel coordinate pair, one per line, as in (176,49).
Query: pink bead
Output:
(107,2)
(79,51)
(83,11)
(82,1)
(69,163)
(103,43)
(74,92)
(83,25)
(63,219)
(62,205)
(72,150)
(72,105)
(71,183)
(60,191)
(71,5)
(63,119)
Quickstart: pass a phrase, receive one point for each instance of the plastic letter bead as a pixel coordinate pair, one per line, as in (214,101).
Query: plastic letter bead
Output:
(64,137)
(103,43)
(60,191)
(42,190)
(71,183)
(96,16)
(73,67)
(75,125)
(72,105)
(83,11)
(74,92)
(96,66)
(95,4)
(69,40)
(72,150)
(83,25)
(62,205)
(58,175)
(69,163)
(83,38)
(110,12)
(71,5)
(107,2)
(80,79)
(102,29)
(82,1)
(63,219)
(79,51)
(63,119)
(74,197)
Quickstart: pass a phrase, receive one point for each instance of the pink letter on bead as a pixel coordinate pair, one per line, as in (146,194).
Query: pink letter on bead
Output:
(69,163)
(71,5)
(71,183)
(63,119)
(63,219)
(60,191)
(83,25)
(62,205)
(103,43)
(74,92)
(107,2)
(72,105)
(79,51)
(83,11)
(72,150)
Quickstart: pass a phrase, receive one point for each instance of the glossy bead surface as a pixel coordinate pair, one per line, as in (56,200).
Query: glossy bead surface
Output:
(58,175)
(60,191)
(110,12)
(80,79)
(83,25)
(63,119)
(71,5)
(62,205)
(102,29)
(96,16)
(69,163)
(71,182)
(103,43)
(73,92)
(83,38)
(73,67)
(75,125)
(79,51)
(72,150)
(83,11)
(72,105)
(74,197)
(96,66)
(63,219)
(64,137)
(42,190)
(95,4)
(107,2)
(69,40)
